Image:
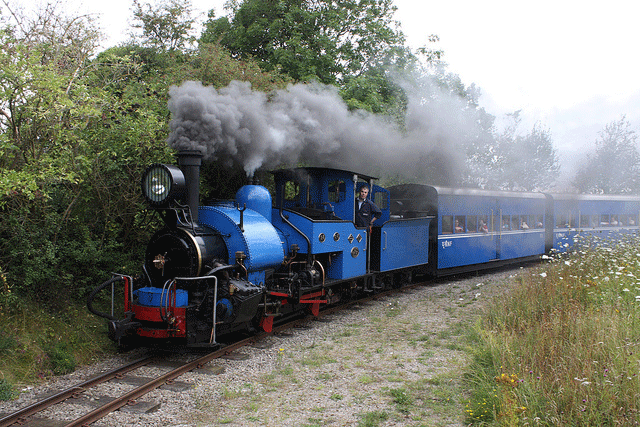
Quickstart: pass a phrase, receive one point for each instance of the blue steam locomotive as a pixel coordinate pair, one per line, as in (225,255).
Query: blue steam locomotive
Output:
(242,264)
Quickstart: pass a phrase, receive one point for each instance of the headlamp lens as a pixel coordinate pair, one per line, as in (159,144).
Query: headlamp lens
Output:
(162,183)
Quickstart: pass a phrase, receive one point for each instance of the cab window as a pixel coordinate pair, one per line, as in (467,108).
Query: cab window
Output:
(291,191)
(337,191)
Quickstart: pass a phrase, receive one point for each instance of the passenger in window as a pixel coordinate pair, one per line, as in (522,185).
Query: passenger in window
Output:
(614,221)
(459,228)
(366,211)
(483,227)
(524,225)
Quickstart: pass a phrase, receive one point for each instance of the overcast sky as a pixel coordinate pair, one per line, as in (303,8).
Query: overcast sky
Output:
(570,65)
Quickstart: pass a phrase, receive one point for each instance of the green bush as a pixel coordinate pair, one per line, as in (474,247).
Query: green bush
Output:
(61,359)
(6,390)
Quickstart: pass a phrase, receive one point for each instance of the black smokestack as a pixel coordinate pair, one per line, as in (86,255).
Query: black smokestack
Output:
(189,162)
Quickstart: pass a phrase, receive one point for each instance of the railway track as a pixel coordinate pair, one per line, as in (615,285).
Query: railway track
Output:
(28,416)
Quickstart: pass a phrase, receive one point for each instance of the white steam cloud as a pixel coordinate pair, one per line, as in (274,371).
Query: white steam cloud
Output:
(312,124)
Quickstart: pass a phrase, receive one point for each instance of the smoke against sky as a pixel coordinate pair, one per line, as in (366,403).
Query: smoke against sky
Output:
(311,124)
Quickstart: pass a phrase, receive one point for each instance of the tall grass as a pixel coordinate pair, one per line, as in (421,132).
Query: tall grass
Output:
(36,344)
(562,347)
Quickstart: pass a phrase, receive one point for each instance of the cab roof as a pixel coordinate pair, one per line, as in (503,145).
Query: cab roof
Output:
(293,173)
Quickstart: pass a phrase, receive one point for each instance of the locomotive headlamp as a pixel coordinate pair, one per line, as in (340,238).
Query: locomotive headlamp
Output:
(162,184)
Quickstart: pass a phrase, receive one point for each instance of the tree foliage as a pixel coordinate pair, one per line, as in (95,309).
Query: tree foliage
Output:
(509,160)
(166,25)
(614,166)
(310,39)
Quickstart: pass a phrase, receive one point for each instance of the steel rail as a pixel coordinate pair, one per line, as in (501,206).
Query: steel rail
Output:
(22,414)
(131,396)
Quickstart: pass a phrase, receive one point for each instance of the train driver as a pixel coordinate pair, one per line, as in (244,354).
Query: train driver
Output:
(366,211)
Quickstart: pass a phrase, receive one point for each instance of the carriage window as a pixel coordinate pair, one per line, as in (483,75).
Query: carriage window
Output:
(604,220)
(614,220)
(337,191)
(515,222)
(291,191)
(532,221)
(561,221)
(447,224)
(483,224)
(506,224)
(472,224)
(632,219)
(624,220)
(584,220)
(381,199)
(460,224)
(524,222)
(595,221)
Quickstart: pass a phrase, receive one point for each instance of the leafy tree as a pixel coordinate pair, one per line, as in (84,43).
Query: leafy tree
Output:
(310,39)
(166,25)
(43,106)
(213,65)
(532,164)
(512,161)
(614,166)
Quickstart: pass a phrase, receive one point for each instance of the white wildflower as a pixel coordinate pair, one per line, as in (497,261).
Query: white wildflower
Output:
(543,274)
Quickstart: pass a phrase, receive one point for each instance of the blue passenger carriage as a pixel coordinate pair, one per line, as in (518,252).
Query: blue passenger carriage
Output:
(475,227)
(604,217)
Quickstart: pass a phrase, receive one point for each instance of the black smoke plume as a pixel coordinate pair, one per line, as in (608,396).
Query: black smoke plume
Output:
(310,123)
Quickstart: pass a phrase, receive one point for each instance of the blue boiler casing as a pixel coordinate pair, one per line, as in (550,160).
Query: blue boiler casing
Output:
(259,241)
